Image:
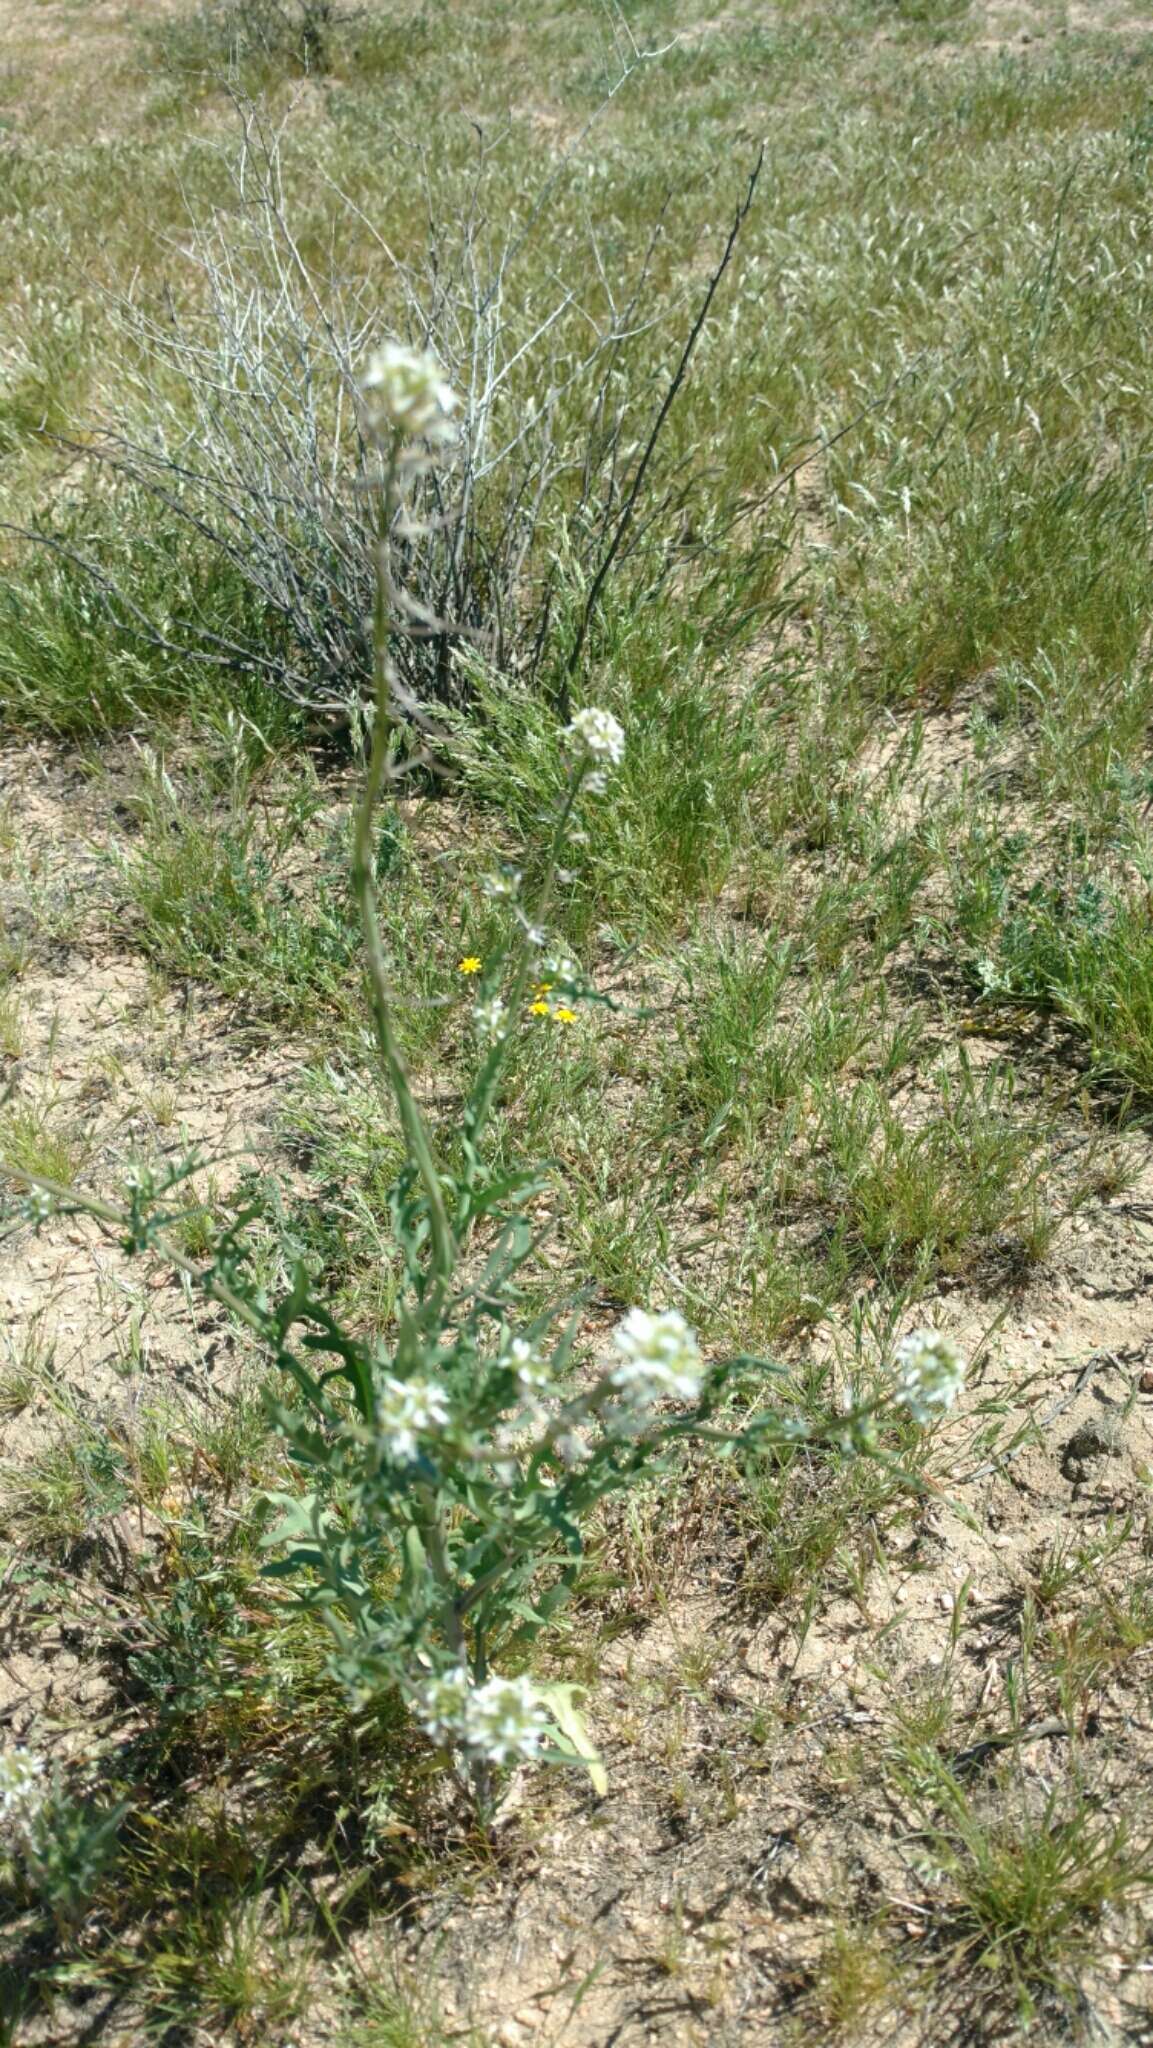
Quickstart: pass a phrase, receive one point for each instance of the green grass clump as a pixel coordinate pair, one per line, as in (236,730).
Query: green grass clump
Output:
(78,658)
(934,1193)
(39,1137)
(1025,1877)
(210,899)
(1017,559)
(1081,948)
(59,1497)
(211,907)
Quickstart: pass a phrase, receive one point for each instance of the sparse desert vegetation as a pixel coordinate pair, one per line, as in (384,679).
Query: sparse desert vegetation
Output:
(575,784)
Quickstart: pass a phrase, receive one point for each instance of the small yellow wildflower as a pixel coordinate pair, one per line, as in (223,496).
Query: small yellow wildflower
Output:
(543,988)
(470,964)
(538,1009)
(563,1015)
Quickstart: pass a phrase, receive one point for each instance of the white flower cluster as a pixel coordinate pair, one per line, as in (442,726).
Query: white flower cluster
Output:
(600,734)
(408,1410)
(563,968)
(490,1019)
(503,1721)
(602,738)
(930,1374)
(660,1359)
(503,887)
(572,1448)
(531,1371)
(403,392)
(23,1790)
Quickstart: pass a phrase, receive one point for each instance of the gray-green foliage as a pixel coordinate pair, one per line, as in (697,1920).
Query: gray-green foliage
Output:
(55,1841)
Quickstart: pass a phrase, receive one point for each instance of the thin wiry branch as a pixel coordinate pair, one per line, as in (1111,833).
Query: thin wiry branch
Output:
(628,509)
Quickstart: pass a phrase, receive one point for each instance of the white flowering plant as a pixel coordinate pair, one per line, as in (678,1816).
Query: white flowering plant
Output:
(445,1474)
(930,1374)
(54,1841)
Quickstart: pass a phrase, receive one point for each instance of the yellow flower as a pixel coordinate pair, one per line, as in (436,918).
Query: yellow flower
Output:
(538,1009)
(543,988)
(470,965)
(563,1015)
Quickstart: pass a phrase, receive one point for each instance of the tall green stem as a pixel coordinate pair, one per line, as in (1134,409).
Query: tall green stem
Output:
(364,891)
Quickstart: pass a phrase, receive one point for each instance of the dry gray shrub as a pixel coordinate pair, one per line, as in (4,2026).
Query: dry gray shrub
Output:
(238,421)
